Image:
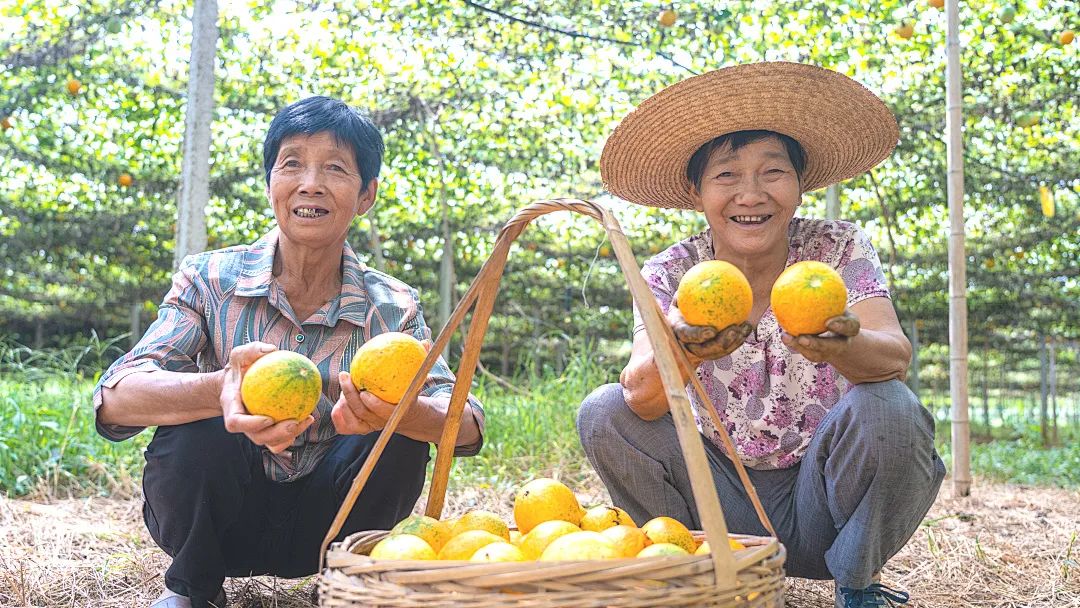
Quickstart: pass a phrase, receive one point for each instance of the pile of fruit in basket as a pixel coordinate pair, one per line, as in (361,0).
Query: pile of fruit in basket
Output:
(550,525)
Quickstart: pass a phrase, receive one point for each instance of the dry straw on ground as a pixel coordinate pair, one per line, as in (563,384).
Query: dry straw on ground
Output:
(1006,546)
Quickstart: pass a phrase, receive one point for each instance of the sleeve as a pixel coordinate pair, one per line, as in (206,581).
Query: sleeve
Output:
(171,343)
(440,381)
(658,278)
(861,269)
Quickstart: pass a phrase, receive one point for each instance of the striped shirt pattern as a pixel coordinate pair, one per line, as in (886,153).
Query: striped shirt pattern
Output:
(229,297)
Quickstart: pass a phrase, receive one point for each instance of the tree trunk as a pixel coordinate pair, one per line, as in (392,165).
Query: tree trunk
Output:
(198,116)
(832,202)
(135,323)
(375,241)
(39,335)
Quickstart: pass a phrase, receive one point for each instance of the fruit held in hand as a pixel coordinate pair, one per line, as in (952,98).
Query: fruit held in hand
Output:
(281,385)
(386,364)
(714,293)
(806,295)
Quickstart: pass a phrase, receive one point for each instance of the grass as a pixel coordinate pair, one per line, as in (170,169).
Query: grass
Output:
(48,445)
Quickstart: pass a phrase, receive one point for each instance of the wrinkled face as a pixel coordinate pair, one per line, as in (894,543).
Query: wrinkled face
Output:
(749,197)
(315,189)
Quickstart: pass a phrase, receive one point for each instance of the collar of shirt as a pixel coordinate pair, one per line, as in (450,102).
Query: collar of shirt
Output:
(257,280)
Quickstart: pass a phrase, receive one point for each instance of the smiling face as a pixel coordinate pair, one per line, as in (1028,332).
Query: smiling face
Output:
(749,197)
(315,190)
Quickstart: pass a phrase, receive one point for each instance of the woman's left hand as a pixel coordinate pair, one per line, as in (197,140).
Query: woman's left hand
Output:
(360,412)
(824,347)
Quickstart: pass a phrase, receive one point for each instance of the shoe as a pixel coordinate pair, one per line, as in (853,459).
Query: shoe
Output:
(874,596)
(172,599)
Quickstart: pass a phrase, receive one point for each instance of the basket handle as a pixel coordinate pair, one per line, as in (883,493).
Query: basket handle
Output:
(668,354)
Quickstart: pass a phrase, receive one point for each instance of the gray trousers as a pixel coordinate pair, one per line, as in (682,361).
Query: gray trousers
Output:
(857,496)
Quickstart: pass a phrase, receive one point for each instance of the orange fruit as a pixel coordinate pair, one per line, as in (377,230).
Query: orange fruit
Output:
(663,529)
(1066,37)
(386,364)
(498,552)
(543,500)
(462,546)
(281,385)
(806,295)
(580,546)
(905,30)
(714,293)
(433,531)
(125,180)
(73,86)
(629,540)
(598,519)
(662,549)
(402,546)
(667,17)
(480,519)
(937,3)
(538,539)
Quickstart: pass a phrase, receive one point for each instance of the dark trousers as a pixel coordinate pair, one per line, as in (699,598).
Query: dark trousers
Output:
(210,506)
(867,480)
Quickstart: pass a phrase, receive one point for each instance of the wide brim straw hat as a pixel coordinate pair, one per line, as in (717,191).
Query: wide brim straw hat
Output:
(843,127)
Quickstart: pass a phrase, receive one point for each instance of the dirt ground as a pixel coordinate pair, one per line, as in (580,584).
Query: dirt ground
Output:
(1004,546)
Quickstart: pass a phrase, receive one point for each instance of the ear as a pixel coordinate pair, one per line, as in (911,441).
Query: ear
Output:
(695,196)
(366,197)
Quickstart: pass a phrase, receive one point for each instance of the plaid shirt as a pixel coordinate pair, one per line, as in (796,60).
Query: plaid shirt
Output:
(222,299)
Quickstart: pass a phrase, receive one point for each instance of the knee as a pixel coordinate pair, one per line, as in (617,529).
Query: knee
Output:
(890,413)
(600,411)
(194,447)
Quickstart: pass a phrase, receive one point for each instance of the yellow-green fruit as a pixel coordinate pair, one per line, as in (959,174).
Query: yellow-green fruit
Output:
(433,531)
(598,519)
(479,519)
(498,552)
(714,293)
(402,546)
(662,549)
(543,500)
(538,539)
(281,385)
(386,364)
(580,546)
(462,546)
(668,530)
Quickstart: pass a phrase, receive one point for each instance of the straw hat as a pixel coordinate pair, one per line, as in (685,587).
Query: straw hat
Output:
(844,128)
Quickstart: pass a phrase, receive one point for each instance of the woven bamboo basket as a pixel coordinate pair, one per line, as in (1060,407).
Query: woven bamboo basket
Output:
(749,577)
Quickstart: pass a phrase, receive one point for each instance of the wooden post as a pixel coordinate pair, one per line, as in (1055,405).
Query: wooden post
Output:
(958,329)
(1044,426)
(198,116)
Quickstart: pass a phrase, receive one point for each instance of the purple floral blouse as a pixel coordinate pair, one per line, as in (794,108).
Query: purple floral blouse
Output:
(770,398)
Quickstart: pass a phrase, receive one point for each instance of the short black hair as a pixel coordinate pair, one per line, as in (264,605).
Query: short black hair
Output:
(695,169)
(323,114)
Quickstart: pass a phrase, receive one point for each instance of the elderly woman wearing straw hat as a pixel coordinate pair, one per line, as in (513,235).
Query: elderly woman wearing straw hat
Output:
(840,451)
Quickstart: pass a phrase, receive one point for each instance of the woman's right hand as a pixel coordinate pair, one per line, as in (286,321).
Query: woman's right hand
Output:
(261,430)
(704,342)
